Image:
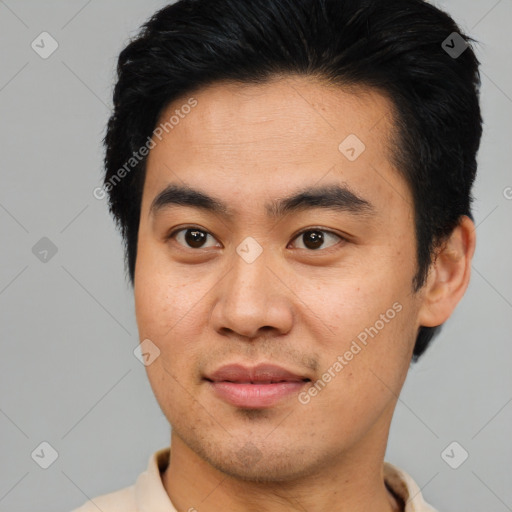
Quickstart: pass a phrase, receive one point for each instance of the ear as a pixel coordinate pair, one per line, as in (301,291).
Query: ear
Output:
(448,276)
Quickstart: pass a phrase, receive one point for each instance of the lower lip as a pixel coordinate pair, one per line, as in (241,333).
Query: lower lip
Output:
(255,395)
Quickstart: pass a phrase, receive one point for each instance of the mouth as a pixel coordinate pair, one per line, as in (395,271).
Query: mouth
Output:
(255,387)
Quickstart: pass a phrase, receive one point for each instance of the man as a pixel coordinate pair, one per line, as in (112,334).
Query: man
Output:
(292,180)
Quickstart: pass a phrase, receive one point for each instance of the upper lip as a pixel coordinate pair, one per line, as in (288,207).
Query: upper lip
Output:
(261,373)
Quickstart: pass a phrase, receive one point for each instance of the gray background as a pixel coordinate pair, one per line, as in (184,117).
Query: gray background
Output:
(67,369)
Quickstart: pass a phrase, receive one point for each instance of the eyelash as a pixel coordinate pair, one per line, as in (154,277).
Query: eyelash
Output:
(296,236)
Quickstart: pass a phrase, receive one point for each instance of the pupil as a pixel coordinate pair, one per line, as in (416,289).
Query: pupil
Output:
(315,237)
(194,237)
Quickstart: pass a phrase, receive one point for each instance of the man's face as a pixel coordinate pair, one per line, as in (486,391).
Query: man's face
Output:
(323,291)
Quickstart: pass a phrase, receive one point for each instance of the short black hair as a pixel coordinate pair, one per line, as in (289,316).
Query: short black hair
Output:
(400,48)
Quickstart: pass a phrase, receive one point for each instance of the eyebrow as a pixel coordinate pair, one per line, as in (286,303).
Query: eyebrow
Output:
(330,197)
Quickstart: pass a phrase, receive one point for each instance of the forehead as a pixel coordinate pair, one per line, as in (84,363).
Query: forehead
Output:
(281,135)
(309,111)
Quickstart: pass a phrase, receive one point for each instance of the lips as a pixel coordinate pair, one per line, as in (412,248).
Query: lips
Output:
(261,374)
(255,387)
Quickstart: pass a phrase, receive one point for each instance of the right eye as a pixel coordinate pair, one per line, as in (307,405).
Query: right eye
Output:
(191,237)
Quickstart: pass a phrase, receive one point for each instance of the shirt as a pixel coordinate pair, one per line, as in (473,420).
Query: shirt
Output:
(148,493)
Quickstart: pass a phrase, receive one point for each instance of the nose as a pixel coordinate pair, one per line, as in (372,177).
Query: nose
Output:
(251,300)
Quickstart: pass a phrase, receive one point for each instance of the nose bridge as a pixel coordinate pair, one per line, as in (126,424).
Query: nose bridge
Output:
(249,274)
(249,298)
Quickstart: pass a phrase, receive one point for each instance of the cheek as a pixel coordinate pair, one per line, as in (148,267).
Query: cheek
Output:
(169,315)
(166,314)
(154,305)
(164,294)
(369,367)
(373,316)
(170,310)
(355,298)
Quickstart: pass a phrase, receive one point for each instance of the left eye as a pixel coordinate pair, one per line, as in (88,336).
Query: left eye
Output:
(314,238)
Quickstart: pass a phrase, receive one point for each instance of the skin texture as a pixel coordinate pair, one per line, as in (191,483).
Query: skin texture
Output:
(293,306)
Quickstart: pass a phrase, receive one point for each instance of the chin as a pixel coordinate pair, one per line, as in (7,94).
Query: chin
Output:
(259,462)
(269,469)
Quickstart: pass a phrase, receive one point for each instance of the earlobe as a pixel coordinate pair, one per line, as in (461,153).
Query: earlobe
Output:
(449,275)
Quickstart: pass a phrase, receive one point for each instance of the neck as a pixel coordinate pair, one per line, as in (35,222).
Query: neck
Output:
(353,484)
